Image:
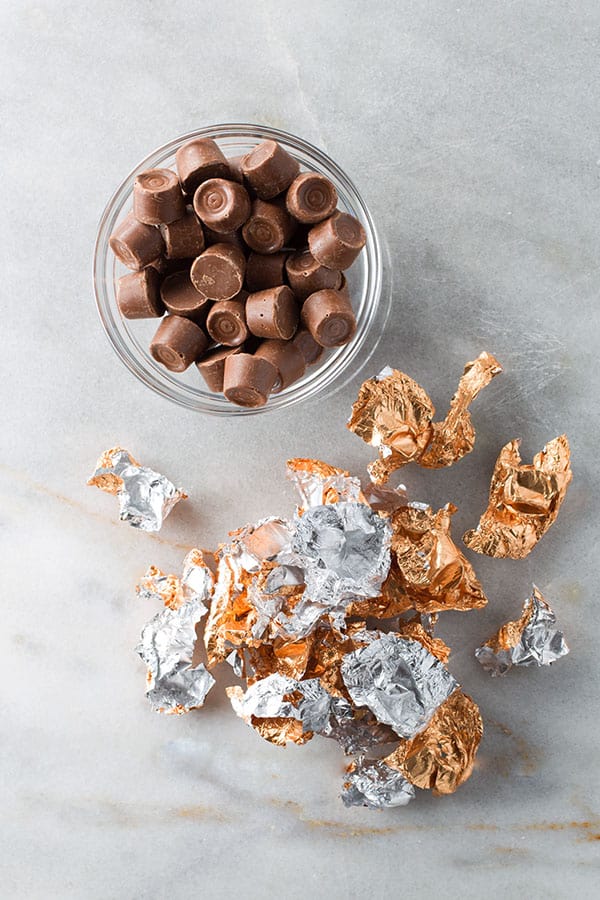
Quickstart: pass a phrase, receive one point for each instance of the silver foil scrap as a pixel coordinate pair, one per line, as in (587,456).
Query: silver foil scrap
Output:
(399,681)
(167,646)
(313,487)
(374,784)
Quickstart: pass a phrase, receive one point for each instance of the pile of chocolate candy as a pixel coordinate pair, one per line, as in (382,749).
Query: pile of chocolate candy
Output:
(328,618)
(246,256)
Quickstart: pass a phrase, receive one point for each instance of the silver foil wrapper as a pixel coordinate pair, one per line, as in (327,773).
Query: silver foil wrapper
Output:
(399,681)
(314,487)
(145,497)
(540,644)
(278,696)
(376,785)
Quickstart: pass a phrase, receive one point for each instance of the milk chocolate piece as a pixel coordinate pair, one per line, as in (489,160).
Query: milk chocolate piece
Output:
(329,317)
(218,273)
(183,238)
(212,366)
(135,244)
(178,343)
(199,160)
(306,344)
(269,227)
(181,298)
(138,295)
(235,168)
(157,197)
(343,288)
(287,359)
(265,270)
(306,275)
(272,313)
(222,205)
(248,380)
(214,237)
(226,322)
(337,241)
(311,198)
(269,169)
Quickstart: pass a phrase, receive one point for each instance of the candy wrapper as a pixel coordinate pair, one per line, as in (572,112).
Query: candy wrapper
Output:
(376,785)
(532,640)
(524,500)
(394,414)
(145,497)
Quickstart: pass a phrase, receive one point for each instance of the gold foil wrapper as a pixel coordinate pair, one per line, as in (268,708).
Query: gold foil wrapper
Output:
(108,481)
(394,414)
(441,757)
(280,731)
(524,500)
(168,587)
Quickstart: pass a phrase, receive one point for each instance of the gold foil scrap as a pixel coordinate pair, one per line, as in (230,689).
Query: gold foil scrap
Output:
(280,731)
(108,481)
(413,629)
(167,587)
(455,436)
(432,571)
(441,757)
(319,483)
(524,500)
(231,616)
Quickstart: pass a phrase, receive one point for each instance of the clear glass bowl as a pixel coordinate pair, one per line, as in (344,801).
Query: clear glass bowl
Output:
(131,338)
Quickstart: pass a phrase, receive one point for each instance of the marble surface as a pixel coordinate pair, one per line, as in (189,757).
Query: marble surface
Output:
(471,128)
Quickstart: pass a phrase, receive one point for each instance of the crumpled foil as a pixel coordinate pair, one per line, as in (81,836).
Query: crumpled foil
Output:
(167,642)
(532,640)
(374,784)
(441,757)
(318,483)
(399,681)
(145,497)
(524,500)
(394,414)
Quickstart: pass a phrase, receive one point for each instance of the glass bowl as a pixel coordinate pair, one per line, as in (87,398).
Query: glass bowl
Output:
(131,338)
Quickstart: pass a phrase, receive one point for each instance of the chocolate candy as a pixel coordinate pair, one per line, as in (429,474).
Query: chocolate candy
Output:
(306,275)
(235,168)
(226,322)
(212,366)
(222,205)
(311,198)
(287,359)
(183,238)
(269,227)
(235,238)
(136,244)
(138,295)
(218,273)
(178,343)
(248,380)
(329,317)
(157,197)
(272,313)
(337,241)
(265,270)
(308,347)
(269,169)
(199,160)
(181,298)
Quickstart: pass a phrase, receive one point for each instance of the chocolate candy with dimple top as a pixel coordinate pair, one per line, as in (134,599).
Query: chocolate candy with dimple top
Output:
(178,343)
(157,197)
(265,270)
(138,295)
(337,241)
(269,169)
(218,273)
(226,322)
(311,198)
(329,317)
(135,244)
(199,160)
(183,238)
(181,298)
(287,359)
(212,366)
(269,227)
(306,275)
(248,380)
(272,313)
(308,347)
(222,205)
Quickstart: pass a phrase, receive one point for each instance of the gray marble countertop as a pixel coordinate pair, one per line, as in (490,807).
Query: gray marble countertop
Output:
(471,128)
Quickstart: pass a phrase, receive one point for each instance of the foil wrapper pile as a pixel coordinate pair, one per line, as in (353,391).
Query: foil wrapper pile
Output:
(145,497)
